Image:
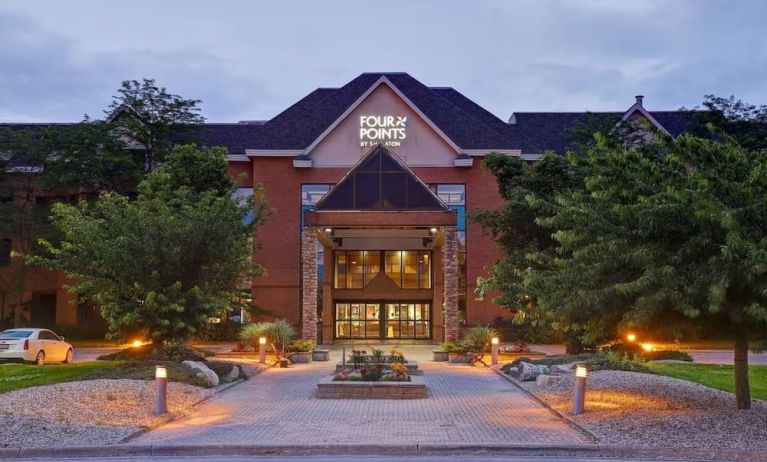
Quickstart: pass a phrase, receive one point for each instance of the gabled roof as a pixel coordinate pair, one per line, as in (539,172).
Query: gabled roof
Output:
(539,132)
(300,125)
(380,181)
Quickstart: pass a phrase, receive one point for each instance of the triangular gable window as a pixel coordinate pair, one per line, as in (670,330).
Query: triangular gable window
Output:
(380,181)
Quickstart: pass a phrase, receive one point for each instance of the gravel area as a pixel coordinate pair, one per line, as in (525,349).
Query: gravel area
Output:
(86,413)
(644,410)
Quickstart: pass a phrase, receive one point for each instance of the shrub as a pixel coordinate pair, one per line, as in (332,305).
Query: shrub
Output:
(517,347)
(675,355)
(299,345)
(175,352)
(221,331)
(617,361)
(452,347)
(252,332)
(478,338)
(539,333)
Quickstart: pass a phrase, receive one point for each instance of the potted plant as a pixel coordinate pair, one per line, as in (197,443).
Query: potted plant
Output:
(456,352)
(301,351)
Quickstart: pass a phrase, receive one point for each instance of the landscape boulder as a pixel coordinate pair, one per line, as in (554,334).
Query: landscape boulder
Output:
(233,374)
(528,371)
(210,377)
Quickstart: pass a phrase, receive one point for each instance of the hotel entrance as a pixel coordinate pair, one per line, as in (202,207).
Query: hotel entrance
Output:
(382,320)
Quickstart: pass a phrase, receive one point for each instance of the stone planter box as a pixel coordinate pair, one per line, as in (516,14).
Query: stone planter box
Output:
(412,367)
(321,355)
(440,355)
(329,389)
(458,358)
(301,357)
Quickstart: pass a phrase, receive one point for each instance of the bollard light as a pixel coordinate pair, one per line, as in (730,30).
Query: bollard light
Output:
(494,343)
(161,390)
(343,357)
(579,393)
(262,350)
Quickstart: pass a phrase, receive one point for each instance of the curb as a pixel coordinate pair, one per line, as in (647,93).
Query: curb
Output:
(561,450)
(543,403)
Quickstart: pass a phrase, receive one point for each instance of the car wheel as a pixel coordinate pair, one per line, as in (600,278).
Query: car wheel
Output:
(68,358)
(40,359)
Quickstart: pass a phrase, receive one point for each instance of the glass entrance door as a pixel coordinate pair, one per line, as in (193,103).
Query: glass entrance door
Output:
(393,320)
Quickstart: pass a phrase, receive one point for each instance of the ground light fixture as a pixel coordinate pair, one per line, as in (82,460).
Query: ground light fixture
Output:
(137,343)
(494,349)
(579,392)
(631,337)
(262,350)
(161,390)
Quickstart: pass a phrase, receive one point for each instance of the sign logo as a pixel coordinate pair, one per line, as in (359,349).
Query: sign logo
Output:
(387,130)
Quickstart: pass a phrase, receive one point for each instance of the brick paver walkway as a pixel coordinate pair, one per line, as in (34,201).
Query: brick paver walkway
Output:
(465,405)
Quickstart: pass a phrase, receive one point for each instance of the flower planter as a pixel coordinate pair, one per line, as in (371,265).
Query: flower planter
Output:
(440,355)
(327,388)
(321,355)
(459,358)
(301,357)
(283,363)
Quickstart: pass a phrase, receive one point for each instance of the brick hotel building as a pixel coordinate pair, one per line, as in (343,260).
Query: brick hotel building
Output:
(371,184)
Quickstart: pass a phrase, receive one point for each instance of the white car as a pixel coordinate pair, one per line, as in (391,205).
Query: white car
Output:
(34,345)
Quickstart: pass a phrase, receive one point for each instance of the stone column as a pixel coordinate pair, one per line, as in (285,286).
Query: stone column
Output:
(309,283)
(450,288)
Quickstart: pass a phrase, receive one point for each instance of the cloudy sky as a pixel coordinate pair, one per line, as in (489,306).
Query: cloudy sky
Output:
(250,60)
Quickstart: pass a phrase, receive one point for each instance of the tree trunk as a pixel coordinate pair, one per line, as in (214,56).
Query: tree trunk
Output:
(742,390)
(157,346)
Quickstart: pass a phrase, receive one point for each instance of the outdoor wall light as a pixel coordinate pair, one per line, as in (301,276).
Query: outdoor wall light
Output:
(328,230)
(262,350)
(494,343)
(433,230)
(161,390)
(579,393)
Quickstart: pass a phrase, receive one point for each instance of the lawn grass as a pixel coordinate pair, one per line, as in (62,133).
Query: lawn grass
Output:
(716,376)
(16,376)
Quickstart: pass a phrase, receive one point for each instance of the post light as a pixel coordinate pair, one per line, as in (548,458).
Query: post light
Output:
(494,345)
(343,357)
(579,394)
(262,350)
(161,390)
(631,338)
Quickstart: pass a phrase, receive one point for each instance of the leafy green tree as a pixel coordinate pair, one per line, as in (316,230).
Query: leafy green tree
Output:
(170,260)
(667,233)
(731,117)
(151,119)
(529,191)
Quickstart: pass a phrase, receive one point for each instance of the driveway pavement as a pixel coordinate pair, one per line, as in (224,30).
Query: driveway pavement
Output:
(467,405)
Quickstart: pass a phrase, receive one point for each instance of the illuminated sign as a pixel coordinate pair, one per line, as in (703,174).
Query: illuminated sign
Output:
(387,130)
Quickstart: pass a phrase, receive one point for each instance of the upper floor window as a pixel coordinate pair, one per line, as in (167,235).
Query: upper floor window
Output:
(409,269)
(356,268)
(451,194)
(312,193)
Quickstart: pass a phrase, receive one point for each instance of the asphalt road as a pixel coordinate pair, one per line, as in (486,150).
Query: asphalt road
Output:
(388,458)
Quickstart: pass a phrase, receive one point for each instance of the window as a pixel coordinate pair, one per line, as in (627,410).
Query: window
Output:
(409,269)
(242,195)
(454,195)
(356,268)
(5,252)
(451,194)
(358,320)
(407,320)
